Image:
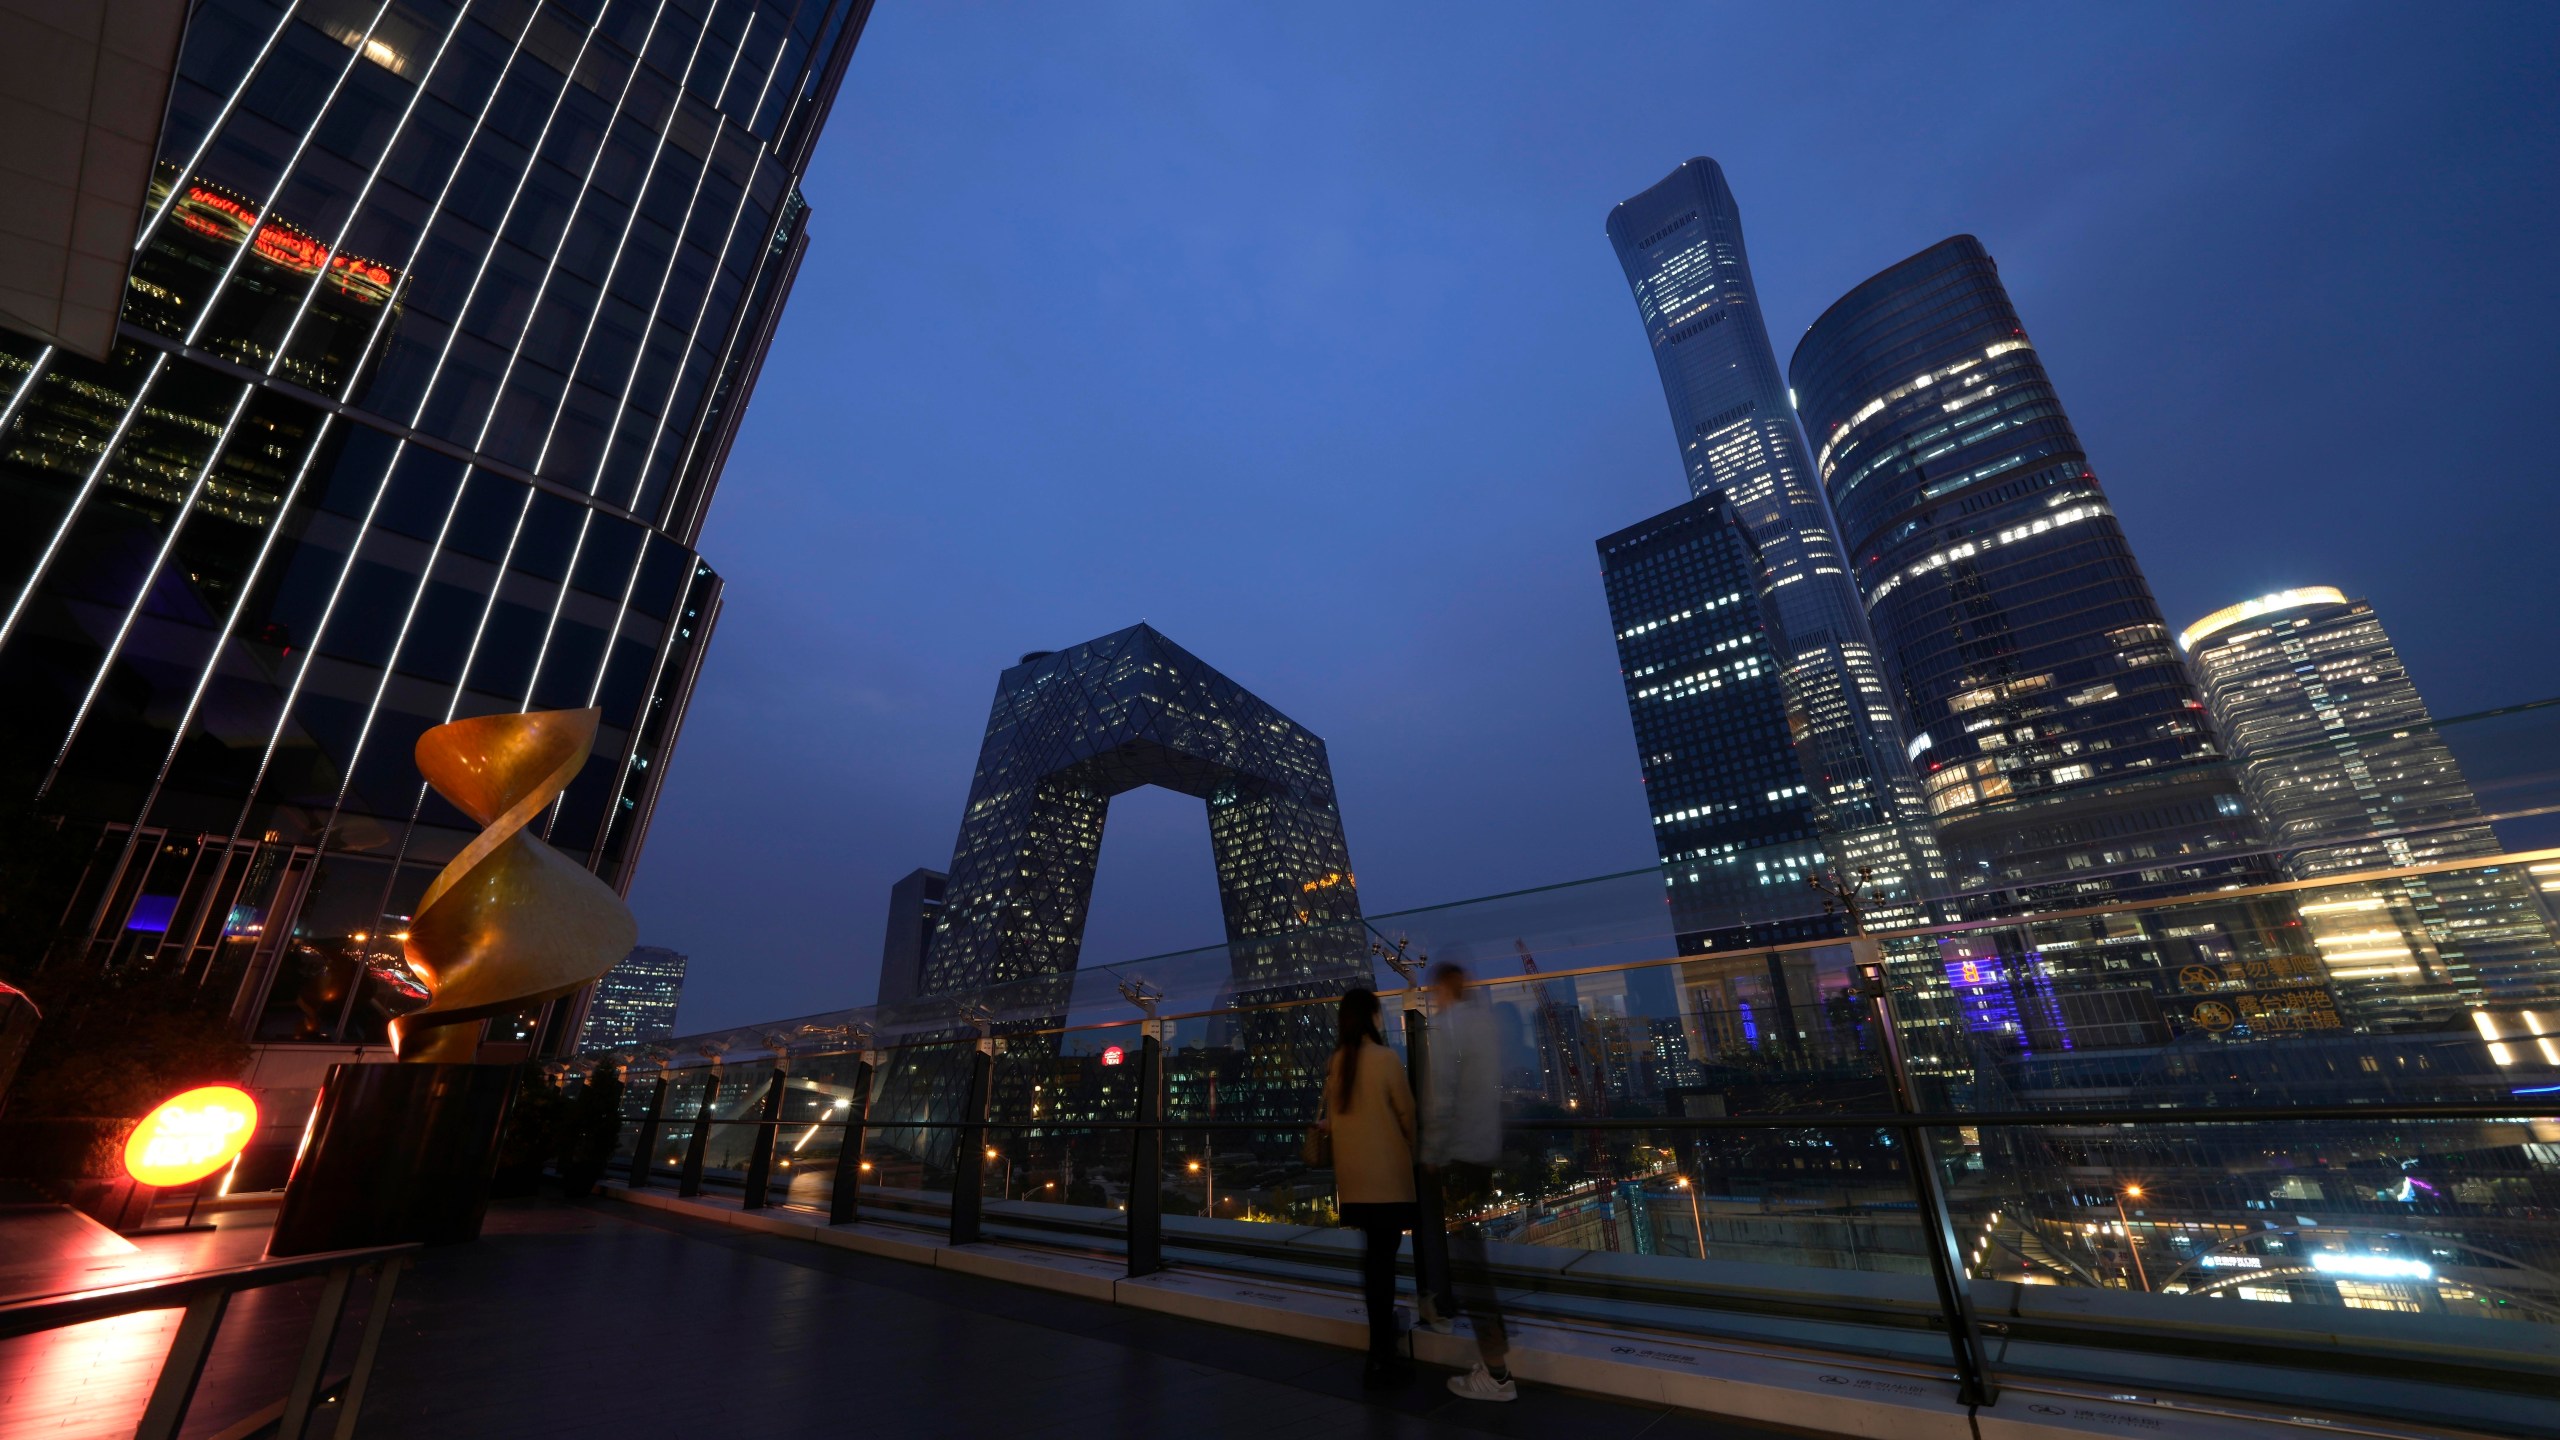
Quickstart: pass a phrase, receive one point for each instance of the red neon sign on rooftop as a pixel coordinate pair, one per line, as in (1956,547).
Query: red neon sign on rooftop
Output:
(224,216)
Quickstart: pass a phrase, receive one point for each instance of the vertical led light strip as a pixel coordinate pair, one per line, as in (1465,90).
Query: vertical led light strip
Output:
(435,552)
(80,501)
(151,226)
(658,433)
(311,652)
(26,387)
(319,438)
(142,593)
(631,379)
(364,528)
(605,288)
(266,207)
(497,397)
(337,243)
(551,270)
(740,334)
(231,622)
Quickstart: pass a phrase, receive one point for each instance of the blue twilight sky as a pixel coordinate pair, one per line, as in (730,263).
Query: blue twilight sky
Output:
(1293,330)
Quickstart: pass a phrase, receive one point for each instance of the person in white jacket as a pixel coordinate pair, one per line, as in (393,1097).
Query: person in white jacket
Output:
(1461,1143)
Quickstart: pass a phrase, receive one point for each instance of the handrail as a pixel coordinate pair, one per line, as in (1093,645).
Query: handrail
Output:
(26,1315)
(932,1037)
(1854,1119)
(203,1296)
(1972,1359)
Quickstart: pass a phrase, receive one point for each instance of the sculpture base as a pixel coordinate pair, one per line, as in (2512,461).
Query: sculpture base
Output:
(397,1153)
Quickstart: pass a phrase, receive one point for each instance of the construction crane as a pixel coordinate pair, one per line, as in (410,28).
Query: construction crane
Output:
(1583,1093)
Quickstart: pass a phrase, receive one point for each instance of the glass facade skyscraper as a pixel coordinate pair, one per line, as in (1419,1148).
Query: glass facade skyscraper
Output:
(1732,814)
(635,1003)
(1072,728)
(1680,244)
(2066,751)
(440,318)
(2345,764)
(1069,730)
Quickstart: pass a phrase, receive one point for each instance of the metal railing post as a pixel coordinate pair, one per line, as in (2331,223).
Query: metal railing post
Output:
(844,1206)
(315,1351)
(647,1144)
(760,1157)
(176,1387)
(1146,1161)
(1430,1222)
(969,1165)
(386,1277)
(1974,1384)
(689,1184)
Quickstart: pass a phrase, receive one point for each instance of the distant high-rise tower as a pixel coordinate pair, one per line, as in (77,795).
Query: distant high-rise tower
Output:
(915,906)
(1681,246)
(635,1003)
(1732,816)
(2346,766)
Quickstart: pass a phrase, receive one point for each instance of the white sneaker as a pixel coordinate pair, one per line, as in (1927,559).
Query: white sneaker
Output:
(1435,1322)
(1479,1384)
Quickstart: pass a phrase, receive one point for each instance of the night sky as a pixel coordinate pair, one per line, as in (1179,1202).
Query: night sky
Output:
(1293,331)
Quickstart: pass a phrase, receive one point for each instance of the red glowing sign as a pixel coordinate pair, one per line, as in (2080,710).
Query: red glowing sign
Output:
(191,1135)
(1113,1055)
(227,217)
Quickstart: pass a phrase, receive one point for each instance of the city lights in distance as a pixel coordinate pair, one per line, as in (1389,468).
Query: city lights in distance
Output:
(2371,1267)
(191,1135)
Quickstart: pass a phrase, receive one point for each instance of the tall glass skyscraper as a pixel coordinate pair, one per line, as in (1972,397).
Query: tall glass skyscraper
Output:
(2067,755)
(1680,244)
(1732,814)
(2066,748)
(440,318)
(2346,765)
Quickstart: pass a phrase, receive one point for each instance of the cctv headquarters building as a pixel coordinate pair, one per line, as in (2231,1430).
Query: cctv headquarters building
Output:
(387,386)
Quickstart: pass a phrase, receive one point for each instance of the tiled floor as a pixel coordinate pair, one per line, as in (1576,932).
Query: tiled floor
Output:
(575,1320)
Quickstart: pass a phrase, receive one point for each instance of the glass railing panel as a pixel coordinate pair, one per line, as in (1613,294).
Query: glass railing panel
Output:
(2393,1268)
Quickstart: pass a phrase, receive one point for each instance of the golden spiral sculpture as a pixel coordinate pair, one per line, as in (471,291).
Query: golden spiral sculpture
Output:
(511,921)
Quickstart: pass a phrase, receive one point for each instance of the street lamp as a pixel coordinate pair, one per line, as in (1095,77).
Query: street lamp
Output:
(2127,1227)
(1208,1188)
(1005,1192)
(1694,1217)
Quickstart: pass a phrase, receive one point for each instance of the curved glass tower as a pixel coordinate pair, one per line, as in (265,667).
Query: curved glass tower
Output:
(2066,753)
(438,321)
(1680,244)
(2065,741)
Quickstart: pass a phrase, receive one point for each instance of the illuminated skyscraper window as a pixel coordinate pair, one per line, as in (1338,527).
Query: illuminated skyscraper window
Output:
(635,1003)
(1733,817)
(2069,753)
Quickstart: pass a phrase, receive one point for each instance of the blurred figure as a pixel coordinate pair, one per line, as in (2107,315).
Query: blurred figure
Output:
(1369,1112)
(1461,1142)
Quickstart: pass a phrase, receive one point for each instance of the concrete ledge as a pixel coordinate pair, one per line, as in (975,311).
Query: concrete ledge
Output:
(1275,1307)
(1846,1396)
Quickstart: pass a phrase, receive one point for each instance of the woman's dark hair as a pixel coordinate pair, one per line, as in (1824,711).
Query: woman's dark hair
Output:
(1357,1021)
